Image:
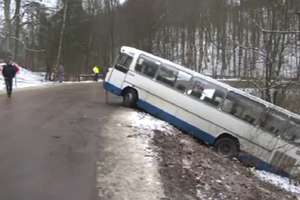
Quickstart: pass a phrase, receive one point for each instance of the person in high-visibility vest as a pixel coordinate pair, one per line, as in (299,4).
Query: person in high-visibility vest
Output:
(97,70)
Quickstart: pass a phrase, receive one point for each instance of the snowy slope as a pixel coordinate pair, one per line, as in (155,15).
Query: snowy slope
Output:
(145,122)
(24,78)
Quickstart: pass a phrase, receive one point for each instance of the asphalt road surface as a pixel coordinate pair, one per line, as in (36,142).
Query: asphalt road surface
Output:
(48,140)
(66,143)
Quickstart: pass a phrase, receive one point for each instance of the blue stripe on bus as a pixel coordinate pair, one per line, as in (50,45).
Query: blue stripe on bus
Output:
(111,88)
(261,165)
(196,132)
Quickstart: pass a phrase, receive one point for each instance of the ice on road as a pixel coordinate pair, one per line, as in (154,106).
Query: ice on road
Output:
(127,168)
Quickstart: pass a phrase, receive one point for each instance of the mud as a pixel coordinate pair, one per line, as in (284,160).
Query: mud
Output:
(190,169)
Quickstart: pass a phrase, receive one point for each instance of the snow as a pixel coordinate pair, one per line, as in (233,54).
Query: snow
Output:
(24,79)
(281,182)
(143,121)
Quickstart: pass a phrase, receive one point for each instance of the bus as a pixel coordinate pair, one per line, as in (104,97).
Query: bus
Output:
(234,122)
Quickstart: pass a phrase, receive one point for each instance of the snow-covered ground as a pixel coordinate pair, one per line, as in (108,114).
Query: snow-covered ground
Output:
(281,182)
(144,121)
(24,79)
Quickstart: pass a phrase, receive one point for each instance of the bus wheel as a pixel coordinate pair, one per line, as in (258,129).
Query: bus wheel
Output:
(227,146)
(130,98)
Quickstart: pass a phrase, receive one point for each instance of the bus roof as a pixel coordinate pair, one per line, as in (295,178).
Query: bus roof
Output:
(134,51)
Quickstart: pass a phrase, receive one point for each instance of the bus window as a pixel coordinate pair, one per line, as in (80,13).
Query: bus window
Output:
(206,92)
(293,132)
(197,89)
(147,67)
(183,81)
(167,76)
(275,122)
(123,63)
(243,108)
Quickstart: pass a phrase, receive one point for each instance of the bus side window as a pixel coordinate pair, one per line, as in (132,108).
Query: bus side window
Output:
(182,81)
(167,76)
(139,65)
(218,97)
(275,122)
(293,132)
(147,67)
(228,106)
(196,90)
(243,108)
(150,69)
(206,92)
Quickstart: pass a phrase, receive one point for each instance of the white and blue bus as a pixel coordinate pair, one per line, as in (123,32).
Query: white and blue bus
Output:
(234,122)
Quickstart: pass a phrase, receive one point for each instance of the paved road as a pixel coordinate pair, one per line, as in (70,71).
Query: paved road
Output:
(66,143)
(47,142)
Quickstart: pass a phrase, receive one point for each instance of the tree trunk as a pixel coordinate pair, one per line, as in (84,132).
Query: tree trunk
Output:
(17,30)
(62,31)
(7,25)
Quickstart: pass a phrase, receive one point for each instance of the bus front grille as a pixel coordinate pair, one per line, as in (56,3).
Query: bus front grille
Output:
(283,161)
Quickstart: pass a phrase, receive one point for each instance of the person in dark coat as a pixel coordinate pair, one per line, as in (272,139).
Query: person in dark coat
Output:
(9,71)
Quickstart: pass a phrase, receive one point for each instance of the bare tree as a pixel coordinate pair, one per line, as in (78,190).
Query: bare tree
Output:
(17,27)
(7,19)
(62,31)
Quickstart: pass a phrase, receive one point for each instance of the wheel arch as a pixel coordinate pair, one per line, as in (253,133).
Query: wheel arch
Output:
(127,88)
(227,135)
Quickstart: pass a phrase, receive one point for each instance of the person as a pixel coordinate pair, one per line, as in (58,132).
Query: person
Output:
(61,73)
(97,70)
(9,71)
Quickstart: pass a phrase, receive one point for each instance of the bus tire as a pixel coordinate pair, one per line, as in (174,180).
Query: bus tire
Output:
(227,146)
(130,98)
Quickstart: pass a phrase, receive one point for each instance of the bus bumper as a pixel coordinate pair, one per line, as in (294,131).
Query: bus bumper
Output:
(112,89)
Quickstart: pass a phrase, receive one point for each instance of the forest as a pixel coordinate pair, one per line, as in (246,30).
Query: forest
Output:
(255,40)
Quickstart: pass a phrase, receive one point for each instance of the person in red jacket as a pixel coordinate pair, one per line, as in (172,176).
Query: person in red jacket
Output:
(9,71)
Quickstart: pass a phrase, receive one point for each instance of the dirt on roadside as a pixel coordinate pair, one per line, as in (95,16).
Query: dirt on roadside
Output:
(191,170)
